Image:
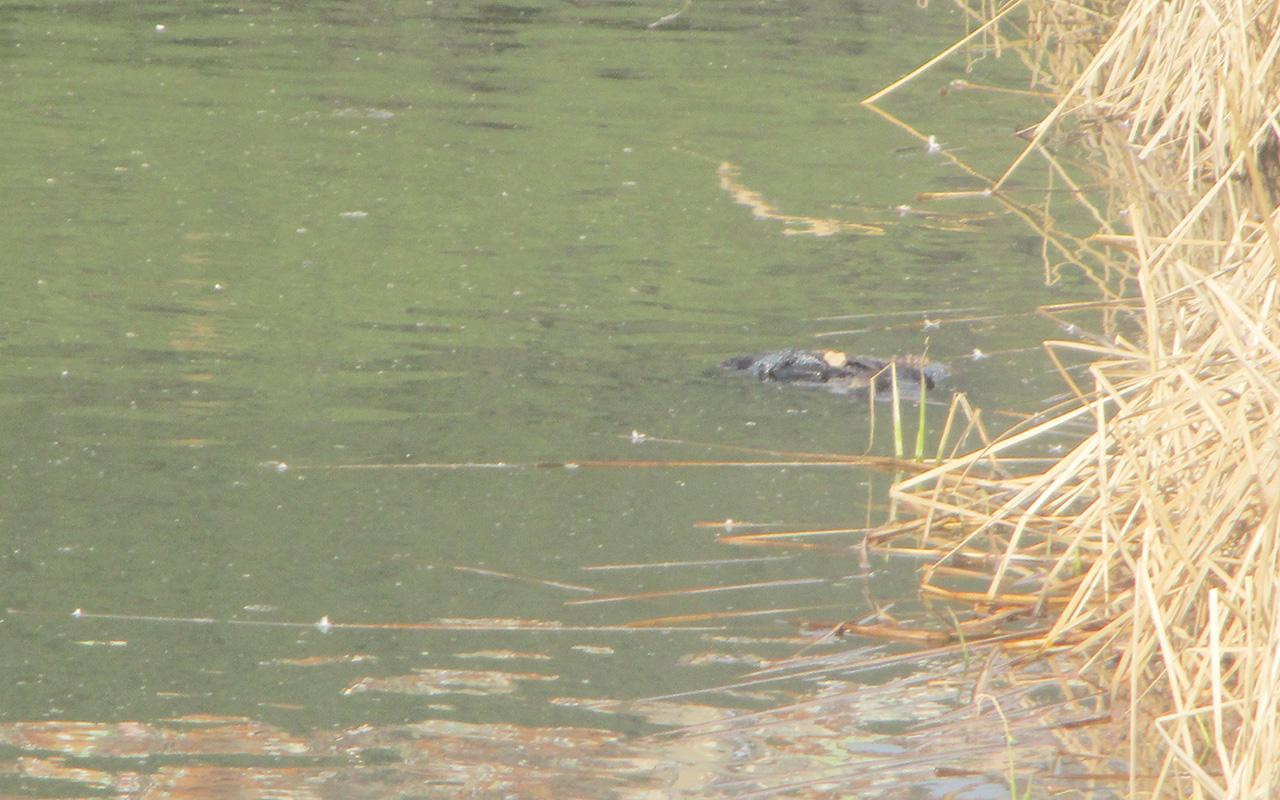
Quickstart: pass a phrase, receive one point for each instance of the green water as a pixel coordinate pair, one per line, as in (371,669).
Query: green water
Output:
(359,234)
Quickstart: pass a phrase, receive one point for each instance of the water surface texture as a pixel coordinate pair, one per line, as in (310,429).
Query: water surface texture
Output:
(245,244)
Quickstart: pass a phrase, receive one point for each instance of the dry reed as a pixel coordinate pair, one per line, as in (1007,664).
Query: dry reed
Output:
(1152,547)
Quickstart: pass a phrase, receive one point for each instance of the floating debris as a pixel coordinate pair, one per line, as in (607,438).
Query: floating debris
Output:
(504,655)
(448,681)
(797,225)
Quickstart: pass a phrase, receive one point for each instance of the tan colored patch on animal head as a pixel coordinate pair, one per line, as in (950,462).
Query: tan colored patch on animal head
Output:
(835,358)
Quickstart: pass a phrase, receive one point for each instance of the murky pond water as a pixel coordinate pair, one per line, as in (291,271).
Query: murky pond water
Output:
(351,234)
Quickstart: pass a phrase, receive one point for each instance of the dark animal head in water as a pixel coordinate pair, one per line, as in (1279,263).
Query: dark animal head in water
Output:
(840,372)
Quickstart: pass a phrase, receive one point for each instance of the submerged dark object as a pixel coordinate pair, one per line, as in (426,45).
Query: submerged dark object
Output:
(842,373)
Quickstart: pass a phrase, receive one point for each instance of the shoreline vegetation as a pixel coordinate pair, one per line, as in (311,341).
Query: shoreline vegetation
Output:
(1145,560)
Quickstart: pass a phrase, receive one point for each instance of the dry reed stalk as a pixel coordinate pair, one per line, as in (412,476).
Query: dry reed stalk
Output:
(1162,525)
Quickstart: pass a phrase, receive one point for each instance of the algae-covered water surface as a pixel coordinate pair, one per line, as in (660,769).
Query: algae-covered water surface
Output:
(264,262)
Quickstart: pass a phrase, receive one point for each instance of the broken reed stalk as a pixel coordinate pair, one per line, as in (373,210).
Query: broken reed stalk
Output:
(1162,525)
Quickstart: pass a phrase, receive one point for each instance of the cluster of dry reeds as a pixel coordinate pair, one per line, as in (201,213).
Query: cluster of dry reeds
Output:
(1153,545)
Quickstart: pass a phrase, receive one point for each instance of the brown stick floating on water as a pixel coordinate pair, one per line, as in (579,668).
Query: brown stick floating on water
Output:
(617,598)
(741,538)
(784,458)
(883,314)
(710,562)
(730,524)
(893,633)
(986,598)
(712,615)
(842,461)
(754,540)
(573,587)
(325,625)
(878,461)
(742,448)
